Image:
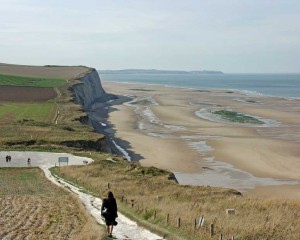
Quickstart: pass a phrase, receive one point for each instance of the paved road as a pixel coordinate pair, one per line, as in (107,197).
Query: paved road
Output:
(38,159)
(126,228)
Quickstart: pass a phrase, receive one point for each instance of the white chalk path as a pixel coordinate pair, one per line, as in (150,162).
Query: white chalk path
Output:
(126,228)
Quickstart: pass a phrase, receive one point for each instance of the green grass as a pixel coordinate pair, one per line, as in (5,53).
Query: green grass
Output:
(22,81)
(26,181)
(19,111)
(237,117)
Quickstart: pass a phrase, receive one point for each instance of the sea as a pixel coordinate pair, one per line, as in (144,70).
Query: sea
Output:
(277,85)
(285,86)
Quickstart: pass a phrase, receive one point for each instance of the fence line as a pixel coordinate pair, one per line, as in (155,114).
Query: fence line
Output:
(209,229)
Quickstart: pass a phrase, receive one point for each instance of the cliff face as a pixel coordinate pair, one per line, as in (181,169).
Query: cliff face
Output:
(88,90)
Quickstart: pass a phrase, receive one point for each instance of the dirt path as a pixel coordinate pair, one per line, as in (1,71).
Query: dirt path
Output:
(126,228)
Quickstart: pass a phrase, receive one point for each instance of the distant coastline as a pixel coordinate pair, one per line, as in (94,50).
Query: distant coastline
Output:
(251,84)
(155,71)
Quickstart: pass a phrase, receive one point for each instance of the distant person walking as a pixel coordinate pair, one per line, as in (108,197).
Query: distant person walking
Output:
(29,162)
(8,158)
(109,211)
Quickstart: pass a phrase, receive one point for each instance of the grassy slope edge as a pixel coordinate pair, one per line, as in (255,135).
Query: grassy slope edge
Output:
(150,190)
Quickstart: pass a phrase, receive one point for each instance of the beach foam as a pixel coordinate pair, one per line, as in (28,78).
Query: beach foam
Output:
(122,150)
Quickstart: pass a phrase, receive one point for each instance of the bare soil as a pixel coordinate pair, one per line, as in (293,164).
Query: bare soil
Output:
(26,94)
(33,208)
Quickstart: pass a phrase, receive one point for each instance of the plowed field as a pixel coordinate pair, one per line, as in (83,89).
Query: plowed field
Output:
(33,208)
(42,71)
(26,94)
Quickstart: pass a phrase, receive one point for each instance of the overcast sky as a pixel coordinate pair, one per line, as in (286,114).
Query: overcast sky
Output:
(228,35)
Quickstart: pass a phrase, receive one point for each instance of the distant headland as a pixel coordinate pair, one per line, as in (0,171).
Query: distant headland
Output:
(155,71)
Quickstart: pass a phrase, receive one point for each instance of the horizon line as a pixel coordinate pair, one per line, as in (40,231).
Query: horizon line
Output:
(149,69)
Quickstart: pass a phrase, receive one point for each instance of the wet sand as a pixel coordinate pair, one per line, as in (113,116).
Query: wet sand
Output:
(174,129)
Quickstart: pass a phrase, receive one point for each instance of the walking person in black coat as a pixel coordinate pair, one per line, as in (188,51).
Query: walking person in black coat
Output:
(109,211)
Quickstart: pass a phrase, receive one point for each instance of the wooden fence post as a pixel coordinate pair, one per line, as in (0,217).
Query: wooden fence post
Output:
(195,224)
(178,222)
(154,214)
(221,236)
(201,221)
(211,230)
(167,218)
(232,237)
(108,186)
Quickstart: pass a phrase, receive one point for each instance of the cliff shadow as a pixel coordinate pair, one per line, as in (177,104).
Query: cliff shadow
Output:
(98,116)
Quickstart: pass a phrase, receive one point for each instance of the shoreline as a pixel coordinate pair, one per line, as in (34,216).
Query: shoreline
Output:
(245,92)
(176,119)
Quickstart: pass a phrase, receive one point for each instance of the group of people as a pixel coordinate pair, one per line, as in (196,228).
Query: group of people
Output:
(8,158)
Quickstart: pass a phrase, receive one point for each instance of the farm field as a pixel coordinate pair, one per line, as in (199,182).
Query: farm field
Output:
(33,208)
(23,81)
(61,72)
(26,94)
(29,115)
(12,112)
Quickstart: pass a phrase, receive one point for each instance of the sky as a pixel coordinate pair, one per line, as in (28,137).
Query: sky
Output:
(233,36)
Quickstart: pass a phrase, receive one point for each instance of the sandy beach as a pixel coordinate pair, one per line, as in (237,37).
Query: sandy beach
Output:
(176,129)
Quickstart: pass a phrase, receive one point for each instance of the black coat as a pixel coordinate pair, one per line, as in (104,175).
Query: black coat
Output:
(111,206)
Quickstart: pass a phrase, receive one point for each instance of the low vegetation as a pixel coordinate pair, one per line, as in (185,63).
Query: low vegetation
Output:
(13,112)
(237,117)
(143,193)
(33,208)
(36,126)
(30,206)
(12,80)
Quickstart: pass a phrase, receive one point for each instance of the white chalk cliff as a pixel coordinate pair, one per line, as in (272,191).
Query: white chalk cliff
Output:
(88,90)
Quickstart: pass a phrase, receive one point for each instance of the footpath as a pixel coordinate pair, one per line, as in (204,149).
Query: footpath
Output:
(126,228)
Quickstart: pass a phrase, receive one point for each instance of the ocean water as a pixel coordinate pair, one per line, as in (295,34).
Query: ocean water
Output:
(214,172)
(279,85)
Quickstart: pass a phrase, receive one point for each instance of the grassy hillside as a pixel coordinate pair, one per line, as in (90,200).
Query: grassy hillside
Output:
(148,196)
(12,80)
(32,206)
(29,204)
(12,112)
(37,126)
